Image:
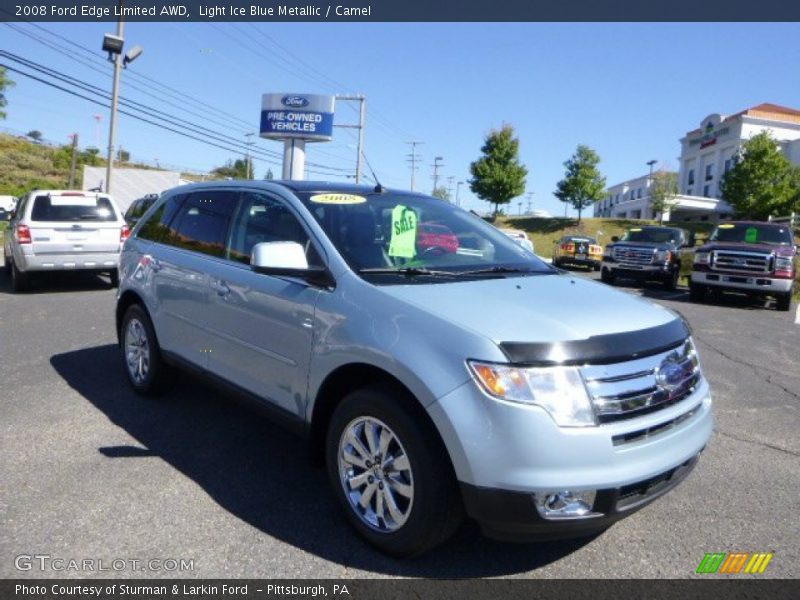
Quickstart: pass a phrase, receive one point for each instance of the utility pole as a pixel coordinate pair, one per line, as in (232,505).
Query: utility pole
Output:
(450,188)
(529,195)
(74,137)
(362,118)
(437,163)
(458,189)
(413,158)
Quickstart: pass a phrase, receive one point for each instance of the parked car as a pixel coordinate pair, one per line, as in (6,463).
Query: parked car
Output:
(577,250)
(433,238)
(429,385)
(7,204)
(138,207)
(747,256)
(647,254)
(63,230)
(520,237)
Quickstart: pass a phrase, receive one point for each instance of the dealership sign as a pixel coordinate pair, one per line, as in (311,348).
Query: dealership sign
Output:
(301,116)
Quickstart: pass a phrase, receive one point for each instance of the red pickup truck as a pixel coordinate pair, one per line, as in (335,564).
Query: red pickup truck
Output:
(747,256)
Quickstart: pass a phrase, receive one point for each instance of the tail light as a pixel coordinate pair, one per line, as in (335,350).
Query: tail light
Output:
(593,249)
(568,247)
(23,234)
(124,234)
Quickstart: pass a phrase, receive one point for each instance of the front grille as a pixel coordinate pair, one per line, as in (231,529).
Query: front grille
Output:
(628,256)
(636,387)
(751,262)
(650,432)
(637,493)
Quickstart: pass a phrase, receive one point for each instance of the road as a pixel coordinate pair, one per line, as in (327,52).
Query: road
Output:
(91,471)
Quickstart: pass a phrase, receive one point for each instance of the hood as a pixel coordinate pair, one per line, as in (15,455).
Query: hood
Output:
(745,247)
(538,308)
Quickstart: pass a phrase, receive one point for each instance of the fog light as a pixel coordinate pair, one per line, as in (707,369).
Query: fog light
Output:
(566,505)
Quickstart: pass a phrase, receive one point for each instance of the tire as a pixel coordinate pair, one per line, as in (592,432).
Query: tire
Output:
(697,292)
(556,263)
(424,493)
(6,265)
(144,366)
(114,277)
(596,267)
(671,283)
(20,282)
(606,276)
(783,302)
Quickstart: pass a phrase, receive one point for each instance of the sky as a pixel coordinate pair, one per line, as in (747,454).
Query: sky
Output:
(630,91)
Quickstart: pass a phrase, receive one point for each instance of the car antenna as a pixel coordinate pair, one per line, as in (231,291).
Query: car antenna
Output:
(379,189)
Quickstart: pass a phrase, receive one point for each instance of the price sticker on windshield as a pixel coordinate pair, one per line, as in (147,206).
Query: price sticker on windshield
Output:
(751,235)
(404,232)
(338,199)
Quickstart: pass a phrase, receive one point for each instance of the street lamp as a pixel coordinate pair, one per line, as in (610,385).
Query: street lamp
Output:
(650,164)
(113,45)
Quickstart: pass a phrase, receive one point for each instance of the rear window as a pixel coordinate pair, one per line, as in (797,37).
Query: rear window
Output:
(72,208)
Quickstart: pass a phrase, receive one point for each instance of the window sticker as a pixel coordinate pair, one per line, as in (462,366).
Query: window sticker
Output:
(338,199)
(751,235)
(636,228)
(404,232)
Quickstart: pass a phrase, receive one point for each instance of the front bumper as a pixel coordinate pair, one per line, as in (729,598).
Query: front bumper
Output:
(750,283)
(639,272)
(105,261)
(511,451)
(589,261)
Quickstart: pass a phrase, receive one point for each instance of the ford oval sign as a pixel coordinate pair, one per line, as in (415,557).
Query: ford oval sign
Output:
(670,375)
(294,101)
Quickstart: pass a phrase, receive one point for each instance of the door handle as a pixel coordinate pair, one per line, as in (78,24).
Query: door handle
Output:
(220,287)
(155,264)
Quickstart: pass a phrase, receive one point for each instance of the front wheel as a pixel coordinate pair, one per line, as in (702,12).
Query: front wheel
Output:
(607,276)
(671,282)
(783,301)
(147,372)
(390,473)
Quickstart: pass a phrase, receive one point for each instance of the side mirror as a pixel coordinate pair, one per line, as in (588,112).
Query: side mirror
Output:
(614,238)
(288,259)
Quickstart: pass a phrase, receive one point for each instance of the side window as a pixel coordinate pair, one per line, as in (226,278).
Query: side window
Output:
(133,210)
(202,222)
(264,219)
(156,227)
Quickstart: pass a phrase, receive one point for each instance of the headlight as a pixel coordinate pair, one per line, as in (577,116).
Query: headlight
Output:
(783,263)
(701,258)
(662,256)
(607,251)
(558,390)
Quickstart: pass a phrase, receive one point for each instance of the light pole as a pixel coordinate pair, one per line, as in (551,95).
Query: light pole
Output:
(113,45)
(650,164)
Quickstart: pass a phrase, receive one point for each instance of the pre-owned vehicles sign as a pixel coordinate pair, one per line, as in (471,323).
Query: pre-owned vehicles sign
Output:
(303,116)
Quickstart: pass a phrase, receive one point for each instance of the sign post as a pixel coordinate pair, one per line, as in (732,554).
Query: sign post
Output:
(296,119)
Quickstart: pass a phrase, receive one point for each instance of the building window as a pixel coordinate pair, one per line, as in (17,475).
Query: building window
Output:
(709,172)
(688,191)
(728,164)
(690,180)
(639,193)
(707,191)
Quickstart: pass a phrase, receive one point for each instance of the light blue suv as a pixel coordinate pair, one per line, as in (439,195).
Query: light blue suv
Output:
(459,375)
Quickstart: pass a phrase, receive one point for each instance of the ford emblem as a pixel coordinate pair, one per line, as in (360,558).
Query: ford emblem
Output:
(294,101)
(669,375)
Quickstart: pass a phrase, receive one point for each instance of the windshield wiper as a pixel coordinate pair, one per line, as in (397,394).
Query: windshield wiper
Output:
(407,271)
(498,270)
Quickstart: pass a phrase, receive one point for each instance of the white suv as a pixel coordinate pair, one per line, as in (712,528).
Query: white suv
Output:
(56,230)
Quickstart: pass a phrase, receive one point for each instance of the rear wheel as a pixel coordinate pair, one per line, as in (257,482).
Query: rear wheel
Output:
(147,372)
(20,282)
(671,282)
(390,474)
(114,277)
(783,301)
(607,276)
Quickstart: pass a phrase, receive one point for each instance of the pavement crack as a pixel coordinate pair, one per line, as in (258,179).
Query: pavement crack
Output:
(757,443)
(760,372)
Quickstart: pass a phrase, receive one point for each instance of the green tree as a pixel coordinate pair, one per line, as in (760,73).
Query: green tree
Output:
(663,189)
(498,176)
(762,181)
(5,84)
(442,193)
(269,175)
(123,155)
(582,184)
(236,169)
(35,135)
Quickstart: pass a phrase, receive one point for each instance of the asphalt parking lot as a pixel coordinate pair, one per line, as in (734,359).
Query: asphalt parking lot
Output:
(91,471)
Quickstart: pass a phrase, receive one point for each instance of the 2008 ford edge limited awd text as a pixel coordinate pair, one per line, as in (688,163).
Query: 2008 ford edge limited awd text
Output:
(432,379)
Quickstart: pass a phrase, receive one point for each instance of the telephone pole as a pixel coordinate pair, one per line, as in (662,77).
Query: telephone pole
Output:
(413,158)
(437,163)
(248,158)
(529,195)
(74,137)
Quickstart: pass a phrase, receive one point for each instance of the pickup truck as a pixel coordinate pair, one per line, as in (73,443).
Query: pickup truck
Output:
(747,256)
(646,254)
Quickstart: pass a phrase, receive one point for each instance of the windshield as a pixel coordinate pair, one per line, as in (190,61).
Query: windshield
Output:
(656,235)
(393,233)
(752,233)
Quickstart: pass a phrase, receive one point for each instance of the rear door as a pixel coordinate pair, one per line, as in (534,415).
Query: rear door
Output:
(74,223)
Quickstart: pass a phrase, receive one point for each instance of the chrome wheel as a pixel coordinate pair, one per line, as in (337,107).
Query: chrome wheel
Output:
(137,351)
(375,474)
